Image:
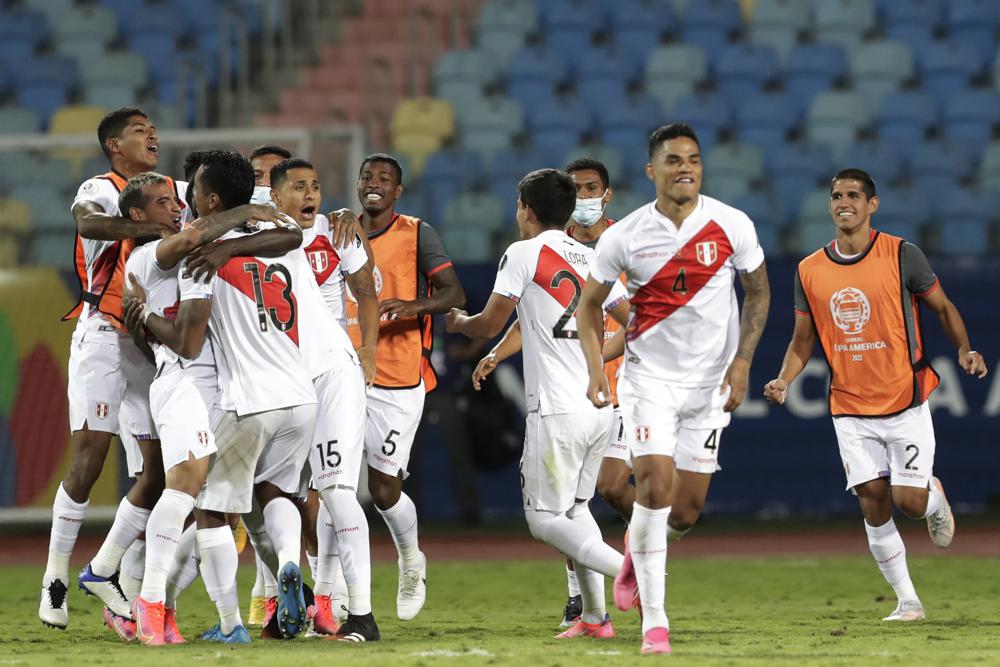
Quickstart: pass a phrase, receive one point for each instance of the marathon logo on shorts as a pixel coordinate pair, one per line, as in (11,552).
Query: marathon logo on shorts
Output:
(102,410)
(642,433)
(203,438)
(706,252)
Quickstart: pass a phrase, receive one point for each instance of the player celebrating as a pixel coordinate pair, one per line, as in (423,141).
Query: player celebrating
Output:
(565,437)
(688,352)
(860,295)
(414,279)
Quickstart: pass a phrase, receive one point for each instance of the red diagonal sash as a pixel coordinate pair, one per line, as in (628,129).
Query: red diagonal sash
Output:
(278,303)
(562,289)
(664,293)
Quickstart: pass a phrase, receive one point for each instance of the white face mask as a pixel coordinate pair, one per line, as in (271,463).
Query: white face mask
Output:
(589,211)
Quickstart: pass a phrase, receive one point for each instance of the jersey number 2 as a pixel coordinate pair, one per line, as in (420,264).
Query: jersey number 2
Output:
(559,330)
(267,311)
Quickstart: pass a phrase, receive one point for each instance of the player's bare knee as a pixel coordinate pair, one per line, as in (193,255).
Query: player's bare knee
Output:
(385,490)
(684,518)
(912,504)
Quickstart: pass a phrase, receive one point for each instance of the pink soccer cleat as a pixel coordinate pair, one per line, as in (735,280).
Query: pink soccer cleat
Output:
(270,629)
(626,587)
(149,620)
(603,630)
(121,626)
(321,614)
(656,641)
(171,633)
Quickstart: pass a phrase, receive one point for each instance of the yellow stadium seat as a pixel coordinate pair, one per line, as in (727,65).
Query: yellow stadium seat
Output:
(428,115)
(417,147)
(15,215)
(77,119)
(9,247)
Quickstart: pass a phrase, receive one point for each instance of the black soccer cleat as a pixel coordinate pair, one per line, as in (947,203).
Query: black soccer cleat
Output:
(573,611)
(358,629)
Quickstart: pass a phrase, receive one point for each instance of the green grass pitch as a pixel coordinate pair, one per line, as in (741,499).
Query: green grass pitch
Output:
(723,612)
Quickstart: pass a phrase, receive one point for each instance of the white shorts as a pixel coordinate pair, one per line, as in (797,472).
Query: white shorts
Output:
(393,418)
(338,445)
(95,383)
(180,407)
(617,444)
(562,456)
(267,446)
(684,423)
(899,447)
(135,419)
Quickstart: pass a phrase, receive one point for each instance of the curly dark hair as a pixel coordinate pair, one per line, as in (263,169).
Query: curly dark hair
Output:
(229,175)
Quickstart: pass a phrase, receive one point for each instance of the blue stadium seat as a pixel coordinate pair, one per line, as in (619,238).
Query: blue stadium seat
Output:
(706,112)
(42,98)
(843,22)
(794,14)
(989,168)
(725,187)
(815,208)
(110,94)
(468,245)
(48,207)
(53,10)
(610,156)
(475,209)
(18,120)
(16,48)
(835,118)
(808,237)
(515,162)
(453,168)
(901,227)
(812,69)
(151,20)
(638,27)
(625,202)
(879,68)
(120,66)
(912,22)
(962,203)
(160,51)
(734,159)
(971,115)
(19,23)
(495,111)
(947,66)
(930,162)
(673,70)
(765,119)
(879,158)
(974,23)
(964,237)
(606,64)
(640,185)
(535,71)
(90,21)
(744,69)
(914,35)
(501,27)
(763,209)
(628,122)
(557,13)
(709,24)
(904,117)
(902,204)
(794,169)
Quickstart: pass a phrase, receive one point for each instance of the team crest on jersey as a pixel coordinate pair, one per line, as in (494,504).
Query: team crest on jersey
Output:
(850,309)
(202,438)
(642,433)
(376,278)
(102,410)
(318,260)
(706,252)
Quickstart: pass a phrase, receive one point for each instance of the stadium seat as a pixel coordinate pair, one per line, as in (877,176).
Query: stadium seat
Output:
(638,27)
(15,216)
(415,147)
(445,174)
(48,207)
(515,162)
(54,249)
(468,245)
(673,70)
(794,169)
(725,187)
(706,112)
(930,160)
(733,159)
(974,23)
(605,64)
(971,115)
(946,66)
(493,112)
(17,24)
(815,208)
(743,69)
(812,69)
(429,115)
(611,157)
(534,73)
(625,202)
(835,118)
(905,117)
(765,119)
(964,237)
(120,66)
(880,68)
(76,119)
(765,211)
(989,168)
(42,98)
(161,53)
(843,22)
(879,158)
(52,9)
(808,237)
(90,21)
(710,23)
(18,120)
(629,121)
(474,209)
(587,14)
(780,38)
(793,14)
(929,13)
(467,69)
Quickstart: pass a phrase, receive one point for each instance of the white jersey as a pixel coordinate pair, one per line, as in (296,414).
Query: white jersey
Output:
(684,326)
(330,265)
(545,277)
(256,329)
(163,298)
(100,256)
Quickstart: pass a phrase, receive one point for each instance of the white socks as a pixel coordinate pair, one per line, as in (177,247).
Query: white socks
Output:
(219,563)
(935,500)
(890,555)
(261,541)
(185,568)
(578,538)
(313,567)
(258,583)
(591,583)
(402,521)
(129,523)
(328,558)
(571,582)
(163,532)
(648,546)
(67,517)
(350,532)
(132,569)
(284,526)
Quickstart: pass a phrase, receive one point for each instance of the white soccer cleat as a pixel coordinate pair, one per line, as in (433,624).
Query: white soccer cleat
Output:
(412,589)
(907,610)
(52,609)
(941,524)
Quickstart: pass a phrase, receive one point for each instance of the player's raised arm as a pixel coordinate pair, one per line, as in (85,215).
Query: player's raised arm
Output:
(486,324)
(590,327)
(93,223)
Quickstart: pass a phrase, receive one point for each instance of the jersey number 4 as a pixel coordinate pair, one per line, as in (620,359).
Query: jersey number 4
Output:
(269,311)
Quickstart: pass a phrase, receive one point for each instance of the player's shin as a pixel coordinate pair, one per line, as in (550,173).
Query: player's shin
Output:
(130,522)
(67,517)
(219,562)
(185,567)
(890,554)
(352,543)
(281,518)
(133,568)
(648,546)
(164,529)
(328,562)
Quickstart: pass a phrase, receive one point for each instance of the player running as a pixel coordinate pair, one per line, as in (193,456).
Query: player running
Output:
(565,437)
(688,353)
(414,280)
(861,296)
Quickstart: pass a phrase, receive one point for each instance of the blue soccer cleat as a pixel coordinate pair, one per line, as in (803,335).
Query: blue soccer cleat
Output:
(291,602)
(239,635)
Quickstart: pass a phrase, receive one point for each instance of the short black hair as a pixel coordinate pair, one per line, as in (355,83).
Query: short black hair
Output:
(383,157)
(668,132)
(590,163)
(551,194)
(113,124)
(855,174)
(229,175)
(268,149)
(134,194)
(279,172)
(192,161)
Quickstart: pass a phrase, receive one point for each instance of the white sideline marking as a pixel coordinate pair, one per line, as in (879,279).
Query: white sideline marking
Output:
(448,653)
(603,653)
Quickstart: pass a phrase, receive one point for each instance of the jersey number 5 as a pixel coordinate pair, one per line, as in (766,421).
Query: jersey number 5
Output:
(267,310)
(559,330)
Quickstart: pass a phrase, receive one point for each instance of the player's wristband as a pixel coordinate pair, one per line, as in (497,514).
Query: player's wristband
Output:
(145,313)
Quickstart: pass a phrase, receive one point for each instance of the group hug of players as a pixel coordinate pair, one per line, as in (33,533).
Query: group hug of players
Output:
(252,354)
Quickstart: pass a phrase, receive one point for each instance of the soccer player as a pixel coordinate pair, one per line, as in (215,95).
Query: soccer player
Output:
(860,295)
(267,405)
(589,221)
(262,159)
(414,280)
(565,437)
(688,353)
(101,354)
